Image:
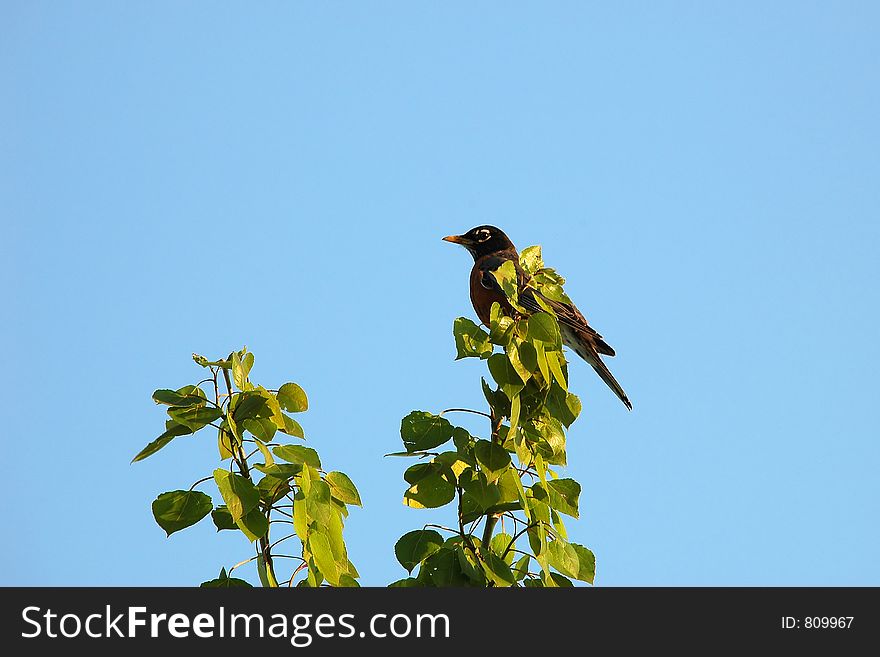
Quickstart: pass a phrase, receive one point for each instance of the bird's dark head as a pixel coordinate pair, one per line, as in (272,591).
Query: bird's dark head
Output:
(483,240)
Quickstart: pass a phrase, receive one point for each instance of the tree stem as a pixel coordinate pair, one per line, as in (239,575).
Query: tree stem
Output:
(492,518)
(241,459)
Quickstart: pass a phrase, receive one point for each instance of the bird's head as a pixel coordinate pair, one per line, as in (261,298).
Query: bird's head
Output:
(483,240)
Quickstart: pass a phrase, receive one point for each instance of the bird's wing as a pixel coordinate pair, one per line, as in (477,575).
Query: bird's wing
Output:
(566,314)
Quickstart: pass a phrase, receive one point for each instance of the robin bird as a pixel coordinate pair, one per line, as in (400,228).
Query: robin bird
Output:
(490,248)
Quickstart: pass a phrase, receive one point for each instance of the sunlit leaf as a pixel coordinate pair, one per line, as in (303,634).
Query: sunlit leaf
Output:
(222,518)
(492,457)
(253,524)
(293,398)
(170,434)
(586,563)
(470,339)
(343,488)
(544,328)
(298,454)
(241,367)
(421,430)
(431,492)
(239,494)
(320,548)
(413,547)
(178,509)
(194,417)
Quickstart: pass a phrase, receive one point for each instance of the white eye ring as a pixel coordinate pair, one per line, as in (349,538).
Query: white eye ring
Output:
(482,235)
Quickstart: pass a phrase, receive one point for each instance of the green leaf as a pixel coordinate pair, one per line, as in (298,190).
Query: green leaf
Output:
(333,531)
(298,454)
(509,483)
(553,435)
(555,292)
(318,502)
(431,492)
(564,495)
(497,400)
(420,431)
(262,428)
(249,405)
(544,328)
(521,568)
(280,470)
(558,580)
(415,546)
(241,367)
(470,567)
(541,356)
(254,524)
(239,494)
(586,563)
(406,582)
(514,414)
(500,326)
(528,356)
(226,444)
(499,544)
(497,570)
(160,442)
(186,396)
(292,427)
(470,340)
(415,473)
(492,457)
(462,440)
(272,489)
(508,280)
(224,581)
(563,557)
(293,398)
(442,569)
(194,417)
(555,360)
(530,259)
(267,455)
(513,355)
(478,490)
(347,581)
(469,514)
(505,375)
(300,516)
(343,488)
(457,461)
(564,406)
(320,548)
(204,362)
(178,509)
(273,407)
(222,518)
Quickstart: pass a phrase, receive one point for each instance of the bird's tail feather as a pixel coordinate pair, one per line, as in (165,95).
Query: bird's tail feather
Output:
(597,364)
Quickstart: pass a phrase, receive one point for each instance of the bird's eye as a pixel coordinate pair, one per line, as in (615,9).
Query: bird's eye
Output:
(482,235)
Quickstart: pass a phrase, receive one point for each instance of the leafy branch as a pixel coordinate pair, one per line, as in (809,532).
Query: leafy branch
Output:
(254,493)
(529,410)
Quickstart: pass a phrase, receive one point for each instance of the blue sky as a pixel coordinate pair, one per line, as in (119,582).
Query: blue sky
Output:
(197,177)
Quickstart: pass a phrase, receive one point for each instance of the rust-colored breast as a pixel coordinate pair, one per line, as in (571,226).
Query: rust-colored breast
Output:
(483,297)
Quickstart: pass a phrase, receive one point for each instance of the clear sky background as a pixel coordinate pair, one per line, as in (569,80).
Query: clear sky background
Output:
(180,177)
